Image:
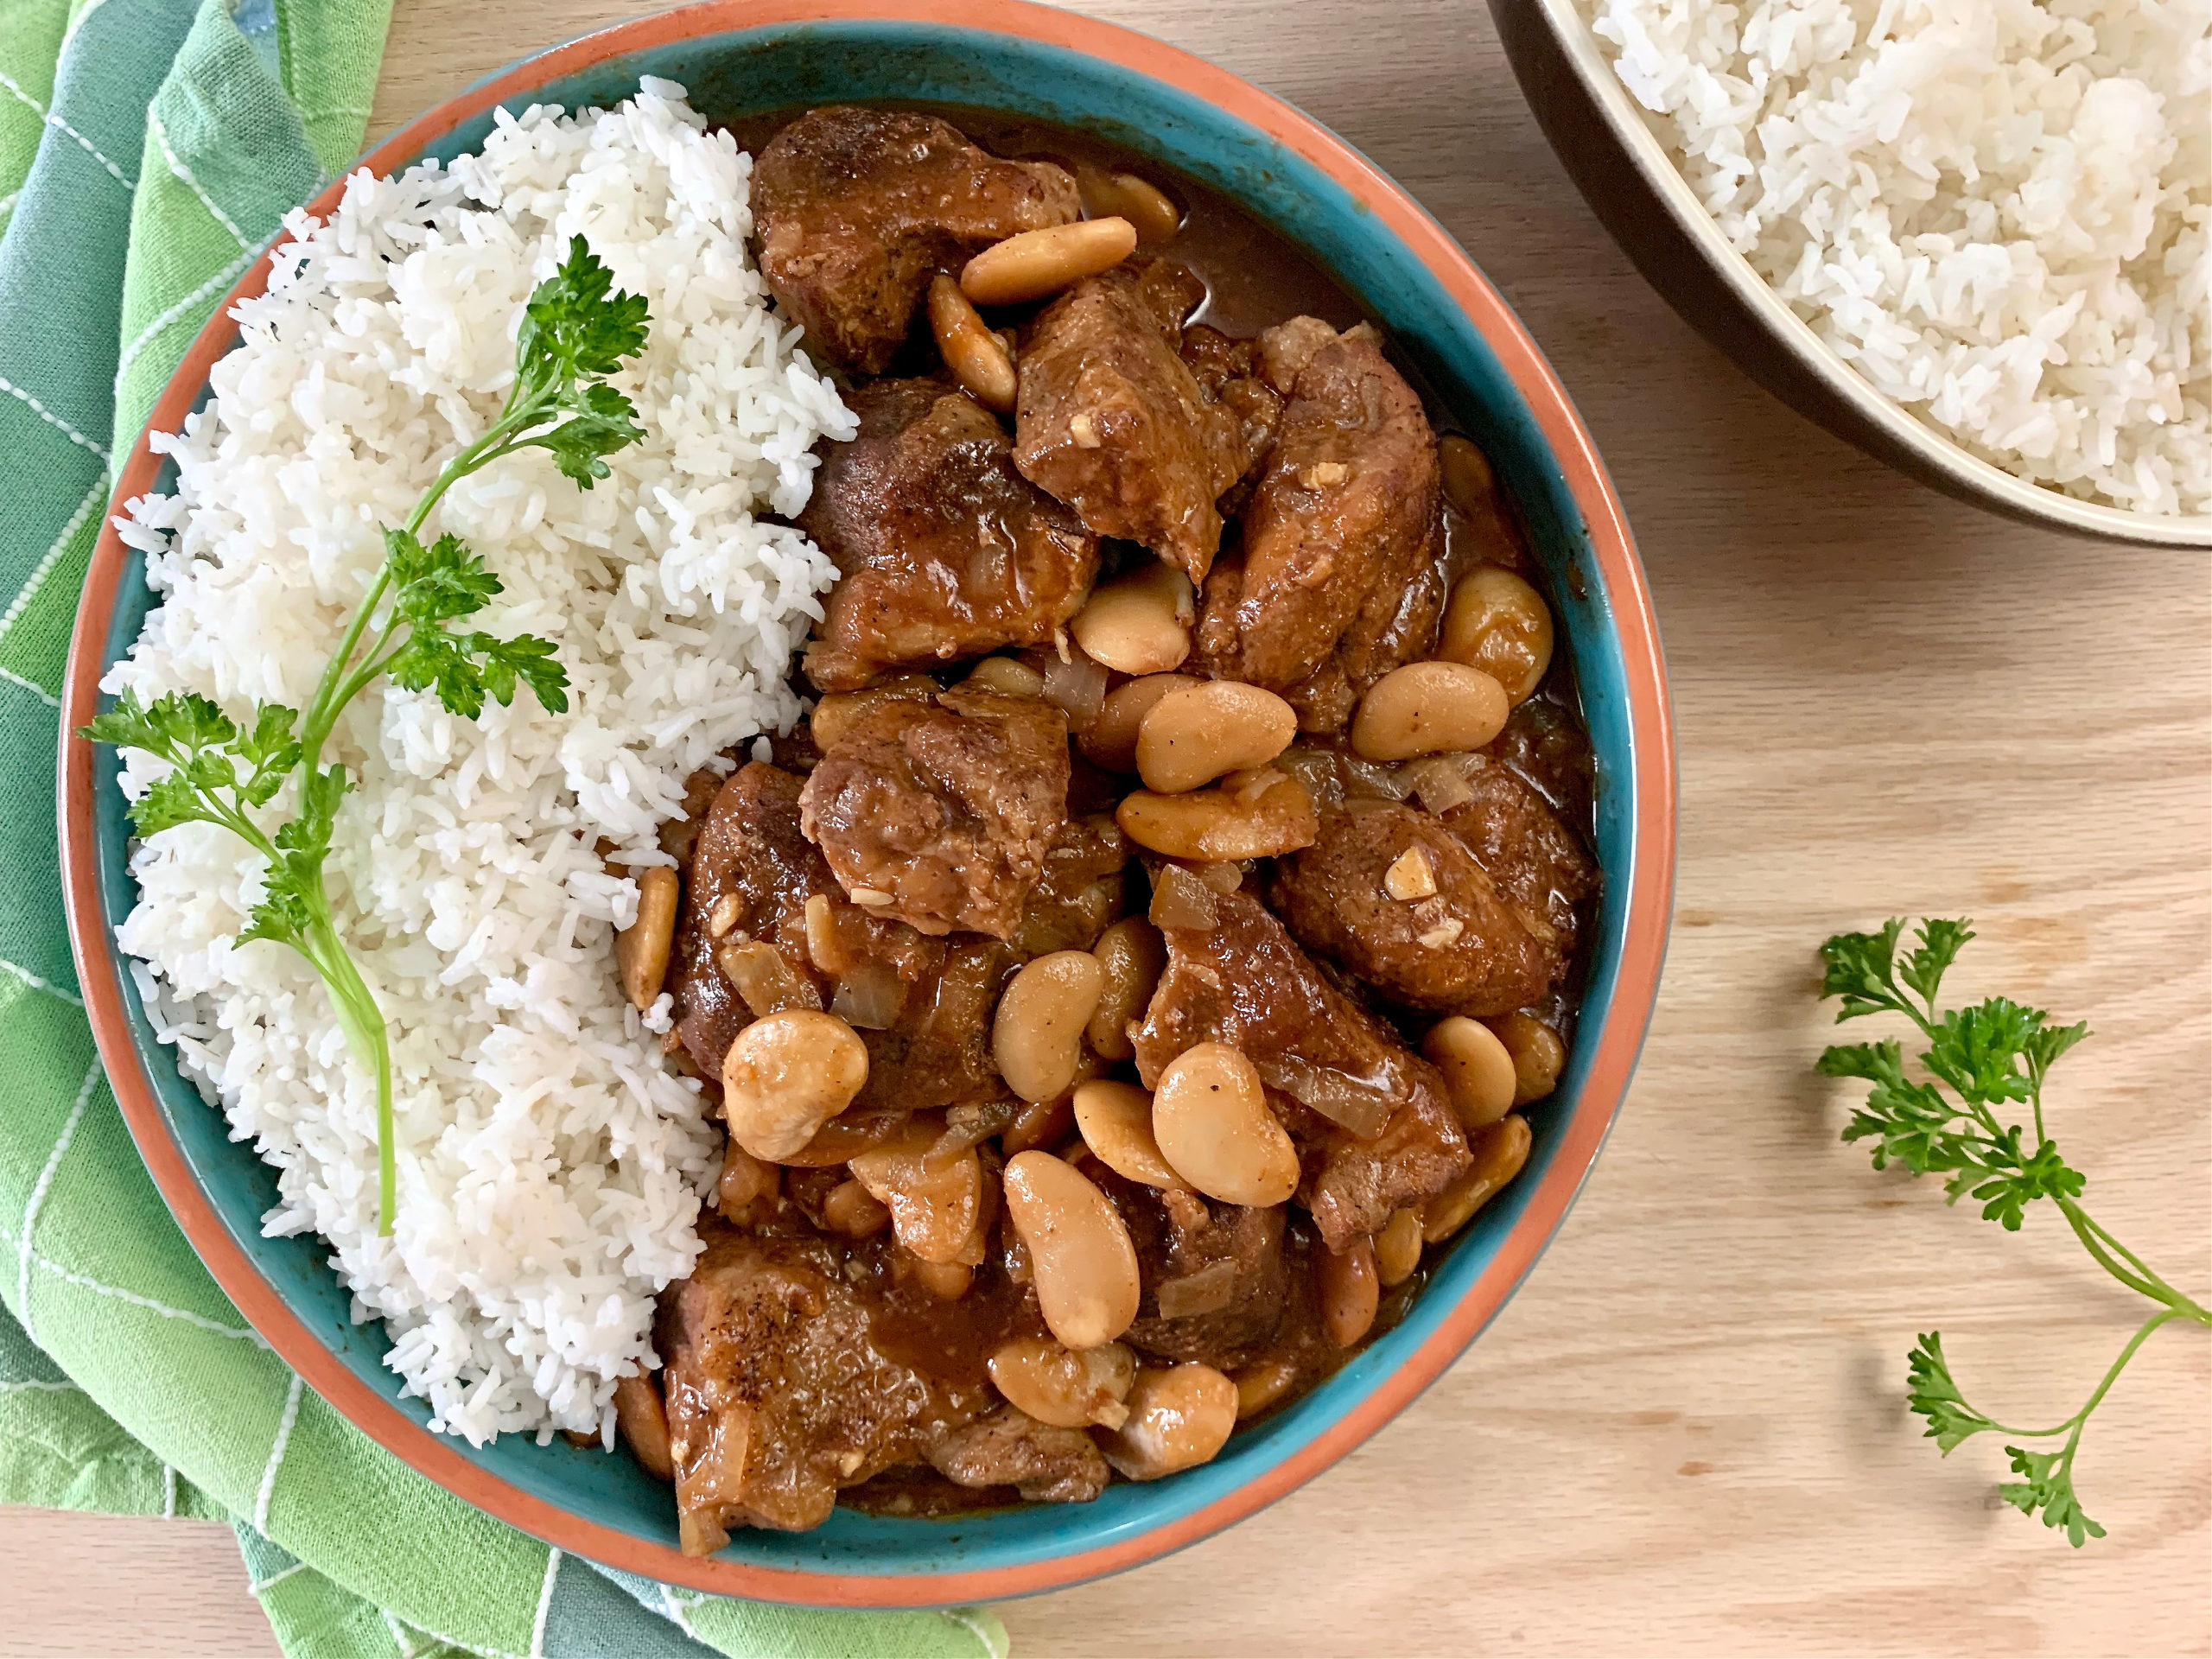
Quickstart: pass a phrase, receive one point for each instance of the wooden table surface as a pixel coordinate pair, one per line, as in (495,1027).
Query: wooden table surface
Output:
(1688,1433)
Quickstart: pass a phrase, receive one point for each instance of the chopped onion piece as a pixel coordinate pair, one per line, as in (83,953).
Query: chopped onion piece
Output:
(1180,899)
(1247,786)
(1206,1291)
(1076,685)
(841,1139)
(1365,777)
(1360,1105)
(869,996)
(1439,783)
(1222,878)
(1318,769)
(969,1124)
(764,979)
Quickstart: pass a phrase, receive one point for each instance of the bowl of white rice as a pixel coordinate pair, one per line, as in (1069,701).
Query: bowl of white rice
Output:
(550,1164)
(1974,239)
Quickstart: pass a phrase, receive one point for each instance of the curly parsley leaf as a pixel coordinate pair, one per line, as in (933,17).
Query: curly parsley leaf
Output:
(444,582)
(1939,941)
(605,424)
(436,584)
(1930,1392)
(575,326)
(2049,1487)
(1981,1060)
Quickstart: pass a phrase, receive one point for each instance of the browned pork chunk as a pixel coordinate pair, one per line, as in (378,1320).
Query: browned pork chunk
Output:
(1244,982)
(1113,422)
(1214,1275)
(1045,1465)
(765,927)
(1539,865)
(1336,583)
(777,1396)
(1455,943)
(943,550)
(858,208)
(942,813)
(752,874)
(1229,371)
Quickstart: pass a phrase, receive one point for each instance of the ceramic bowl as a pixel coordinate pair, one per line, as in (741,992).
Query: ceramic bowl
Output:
(738,56)
(1633,186)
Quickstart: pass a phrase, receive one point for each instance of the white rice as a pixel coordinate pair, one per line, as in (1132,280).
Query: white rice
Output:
(551,1167)
(1998,210)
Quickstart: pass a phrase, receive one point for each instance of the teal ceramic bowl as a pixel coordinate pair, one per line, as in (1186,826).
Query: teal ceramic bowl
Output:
(1030,61)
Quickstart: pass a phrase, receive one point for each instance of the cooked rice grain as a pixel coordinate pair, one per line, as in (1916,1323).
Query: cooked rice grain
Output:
(1997,210)
(550,1166)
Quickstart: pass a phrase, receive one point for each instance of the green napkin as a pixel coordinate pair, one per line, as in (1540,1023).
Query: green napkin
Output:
(147,151)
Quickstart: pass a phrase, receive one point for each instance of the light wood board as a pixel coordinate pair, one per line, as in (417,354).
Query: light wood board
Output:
(1688,1433)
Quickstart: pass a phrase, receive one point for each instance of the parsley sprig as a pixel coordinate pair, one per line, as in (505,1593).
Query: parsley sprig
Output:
(1981,1062)
(576,331)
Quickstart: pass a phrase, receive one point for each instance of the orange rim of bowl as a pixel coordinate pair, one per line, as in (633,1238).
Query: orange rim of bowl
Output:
(1650,888)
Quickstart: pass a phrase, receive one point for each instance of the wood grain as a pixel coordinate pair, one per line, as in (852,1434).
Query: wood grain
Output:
(1688,1433)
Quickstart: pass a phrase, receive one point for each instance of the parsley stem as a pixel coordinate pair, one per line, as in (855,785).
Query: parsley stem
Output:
(363,1022)
(2142,1280)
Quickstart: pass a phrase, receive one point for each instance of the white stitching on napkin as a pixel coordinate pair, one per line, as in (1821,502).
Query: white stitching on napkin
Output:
(60,125)
(221,279)
(276,1456)
(31,686)
(991,1649)
(44,568)
(192,183)
(38,984)
(85,1282)
(51,418)
(545,1605)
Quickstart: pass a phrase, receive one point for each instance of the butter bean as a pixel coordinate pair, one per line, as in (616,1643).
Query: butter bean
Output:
(1062,1387)
(1479,1076)
(1224,825)
(977,358)
(1195,733)
(1349,1289)
(1081,1260)
(642,1419)
(1469,483)
(1177,1419)
(1538,1054)
(787,1076)
(1111,739)
(1139,623)
(1036,1034)
(1145,205)
(641,950)
(1498,623)
(935,1201)
(1500,1151)
(1131,955)
(1397,1248)
(1210,1118)
(1428,709)
(1033,263)
(1116,1119)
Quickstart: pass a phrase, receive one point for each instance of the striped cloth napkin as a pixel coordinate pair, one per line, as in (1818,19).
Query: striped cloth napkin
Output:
(147,151)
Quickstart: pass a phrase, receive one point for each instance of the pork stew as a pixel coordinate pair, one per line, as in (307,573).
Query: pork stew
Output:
(1143,953)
